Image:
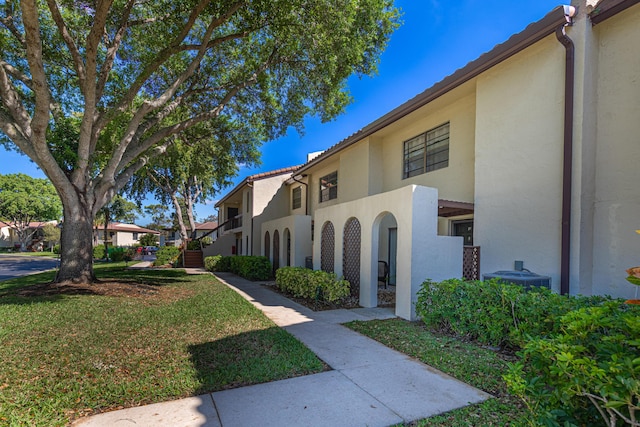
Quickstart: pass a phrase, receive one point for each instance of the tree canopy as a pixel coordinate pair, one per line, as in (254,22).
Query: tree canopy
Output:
(25,200)
(198,164)
(92,90)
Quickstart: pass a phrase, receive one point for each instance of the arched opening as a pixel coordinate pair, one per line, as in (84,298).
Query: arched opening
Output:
(276,251)
(327,247)
(385,257)
(351,254)
(267,245)
(287,247)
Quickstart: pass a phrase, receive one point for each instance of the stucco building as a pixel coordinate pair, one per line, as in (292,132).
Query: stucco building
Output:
(527,153)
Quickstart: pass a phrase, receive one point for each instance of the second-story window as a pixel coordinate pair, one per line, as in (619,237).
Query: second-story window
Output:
(427,152)
(296,198)
(329,187)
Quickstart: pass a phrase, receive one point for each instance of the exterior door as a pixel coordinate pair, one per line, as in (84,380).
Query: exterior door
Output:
(393,252)
(465,230)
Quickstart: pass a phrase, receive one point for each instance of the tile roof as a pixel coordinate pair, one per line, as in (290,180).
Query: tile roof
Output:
(257,177)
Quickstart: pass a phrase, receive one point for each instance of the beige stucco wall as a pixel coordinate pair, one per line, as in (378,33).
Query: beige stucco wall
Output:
(422,254)
(617,181)
(313,178)
(299,229)
(270,199)
(518,155)
(304,189)
(375,164)
(454,182)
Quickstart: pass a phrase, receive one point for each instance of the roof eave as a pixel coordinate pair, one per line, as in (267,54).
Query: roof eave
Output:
(516,43)
(606,9)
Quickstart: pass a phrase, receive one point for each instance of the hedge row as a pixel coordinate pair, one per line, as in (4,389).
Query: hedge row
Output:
(249,267)
(493,312)
(580,361)
(304,283)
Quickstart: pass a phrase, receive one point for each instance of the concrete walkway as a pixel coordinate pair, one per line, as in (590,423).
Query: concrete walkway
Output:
(370,384)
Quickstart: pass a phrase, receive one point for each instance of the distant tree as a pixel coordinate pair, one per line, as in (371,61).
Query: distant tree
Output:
(199,163)
(160,218)
(211,218)
(92,91)
(149,239)
(51,234)
(25,200)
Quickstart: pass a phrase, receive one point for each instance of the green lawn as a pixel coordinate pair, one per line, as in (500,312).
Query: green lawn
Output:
(65,356)
(48,254)
(480,367)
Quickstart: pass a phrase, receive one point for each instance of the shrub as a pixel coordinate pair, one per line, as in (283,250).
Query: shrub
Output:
(218,263)
(493,312)
(129,254)
(116,254)
(193,245)
(304,283)
(148,239)
(251,267)
(206,240)
(167,255)
(588,372)
(98,252)
(211,262)
(56,249)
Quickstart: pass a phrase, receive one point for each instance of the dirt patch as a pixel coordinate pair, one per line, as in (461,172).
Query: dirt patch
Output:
(386,298)
(106,287)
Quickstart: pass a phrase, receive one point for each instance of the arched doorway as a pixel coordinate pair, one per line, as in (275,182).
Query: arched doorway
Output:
(267,245)
(287,246)
(351,254)
(276,251)
(384,256)
(327,247)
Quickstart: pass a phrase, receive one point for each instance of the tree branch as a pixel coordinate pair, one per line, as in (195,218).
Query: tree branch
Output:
(71,44)
(113,49)
(11,26)
(11,100)
(162,57)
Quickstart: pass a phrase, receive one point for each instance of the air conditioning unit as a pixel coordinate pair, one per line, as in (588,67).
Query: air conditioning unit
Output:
(525,279)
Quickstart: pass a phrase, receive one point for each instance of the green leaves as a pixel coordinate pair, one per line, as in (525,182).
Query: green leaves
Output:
(590,369)
(304,283)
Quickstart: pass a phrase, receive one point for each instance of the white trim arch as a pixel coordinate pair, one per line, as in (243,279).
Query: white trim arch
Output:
(422,254)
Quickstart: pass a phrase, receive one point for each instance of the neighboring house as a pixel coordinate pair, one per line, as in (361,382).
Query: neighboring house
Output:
(9,237)
(528,153)
(121,234)
(242,210)
(208,229)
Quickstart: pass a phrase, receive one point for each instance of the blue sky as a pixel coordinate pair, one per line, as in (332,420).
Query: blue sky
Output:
(436,38)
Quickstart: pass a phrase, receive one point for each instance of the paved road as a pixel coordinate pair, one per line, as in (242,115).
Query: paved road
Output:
(12,266)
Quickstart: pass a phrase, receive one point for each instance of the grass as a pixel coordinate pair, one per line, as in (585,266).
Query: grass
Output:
(46,254)
(70,355)
(477,366)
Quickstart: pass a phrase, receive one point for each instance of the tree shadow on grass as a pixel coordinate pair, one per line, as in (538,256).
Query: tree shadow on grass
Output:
(252,358)
(111,281)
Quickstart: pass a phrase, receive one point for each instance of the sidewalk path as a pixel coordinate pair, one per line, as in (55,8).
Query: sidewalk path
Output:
(370,384)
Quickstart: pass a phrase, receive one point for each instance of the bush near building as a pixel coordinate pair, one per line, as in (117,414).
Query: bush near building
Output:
(304,283)
(167,255)
(249,267)
(579,357)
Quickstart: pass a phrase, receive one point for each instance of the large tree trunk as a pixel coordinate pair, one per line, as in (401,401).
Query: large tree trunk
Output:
(183,228)
(76,246)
